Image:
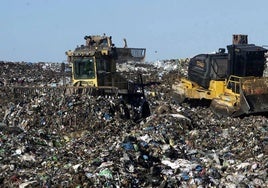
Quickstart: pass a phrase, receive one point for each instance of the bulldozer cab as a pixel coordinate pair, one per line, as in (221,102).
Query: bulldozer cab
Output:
(246,60)
(94,64)
(84,71)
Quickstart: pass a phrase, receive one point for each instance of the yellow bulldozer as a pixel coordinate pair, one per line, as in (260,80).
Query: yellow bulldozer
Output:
(94,70)
(233,81)
(93,66)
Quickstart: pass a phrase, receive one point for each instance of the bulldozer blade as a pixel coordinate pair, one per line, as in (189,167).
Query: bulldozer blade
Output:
(244,107)
(254,94)
(130,54)
(252,98)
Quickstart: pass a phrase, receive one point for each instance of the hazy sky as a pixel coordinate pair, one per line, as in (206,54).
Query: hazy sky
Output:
(42,30)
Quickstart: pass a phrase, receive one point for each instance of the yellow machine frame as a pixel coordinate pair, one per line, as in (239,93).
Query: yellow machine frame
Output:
(228,97)
(192,90)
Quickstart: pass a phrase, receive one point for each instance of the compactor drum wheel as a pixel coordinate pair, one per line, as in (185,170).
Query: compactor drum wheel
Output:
(145,110)
(139,109)
(123,110)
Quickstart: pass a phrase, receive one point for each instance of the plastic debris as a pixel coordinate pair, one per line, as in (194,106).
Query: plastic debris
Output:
(73,140)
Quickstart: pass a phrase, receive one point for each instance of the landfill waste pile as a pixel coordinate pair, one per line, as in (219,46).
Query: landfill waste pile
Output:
(84,141)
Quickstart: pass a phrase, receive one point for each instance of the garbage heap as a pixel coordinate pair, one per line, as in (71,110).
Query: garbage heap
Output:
(85,141)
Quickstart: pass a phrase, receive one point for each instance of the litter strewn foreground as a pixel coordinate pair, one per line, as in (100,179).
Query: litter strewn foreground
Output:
(85,141)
